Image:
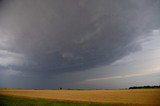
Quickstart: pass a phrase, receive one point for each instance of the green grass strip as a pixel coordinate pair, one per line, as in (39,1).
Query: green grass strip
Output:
(17,101)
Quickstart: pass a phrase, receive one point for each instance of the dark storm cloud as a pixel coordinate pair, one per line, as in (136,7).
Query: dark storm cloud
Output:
(59,36)
(1,1)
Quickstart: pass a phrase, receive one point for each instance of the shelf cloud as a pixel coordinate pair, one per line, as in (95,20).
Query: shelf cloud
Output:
(57,36)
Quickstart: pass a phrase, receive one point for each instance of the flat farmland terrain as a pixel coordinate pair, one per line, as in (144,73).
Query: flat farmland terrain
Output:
(135,97)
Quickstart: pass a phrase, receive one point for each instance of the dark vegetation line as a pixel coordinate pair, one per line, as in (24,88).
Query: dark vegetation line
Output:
(133,87)
(141,87)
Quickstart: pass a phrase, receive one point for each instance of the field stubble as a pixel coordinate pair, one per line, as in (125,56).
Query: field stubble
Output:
(133,97)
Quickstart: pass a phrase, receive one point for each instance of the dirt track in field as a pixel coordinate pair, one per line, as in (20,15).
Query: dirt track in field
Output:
(138,96)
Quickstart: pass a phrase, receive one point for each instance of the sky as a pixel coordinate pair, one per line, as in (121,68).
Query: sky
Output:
(79,44)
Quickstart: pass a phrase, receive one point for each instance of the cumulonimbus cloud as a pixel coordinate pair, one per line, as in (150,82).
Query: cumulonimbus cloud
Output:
(60,36)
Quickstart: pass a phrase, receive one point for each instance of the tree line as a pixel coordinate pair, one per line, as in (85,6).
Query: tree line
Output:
(140,87)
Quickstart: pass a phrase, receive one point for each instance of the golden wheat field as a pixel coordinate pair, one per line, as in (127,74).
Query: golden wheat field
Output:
(137,96)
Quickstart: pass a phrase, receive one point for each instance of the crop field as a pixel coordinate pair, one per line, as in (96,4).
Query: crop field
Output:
(148,97)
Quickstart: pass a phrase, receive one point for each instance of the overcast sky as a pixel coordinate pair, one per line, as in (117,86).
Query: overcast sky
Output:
(84,44)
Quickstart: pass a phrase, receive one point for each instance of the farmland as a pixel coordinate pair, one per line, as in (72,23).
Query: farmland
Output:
(131,97)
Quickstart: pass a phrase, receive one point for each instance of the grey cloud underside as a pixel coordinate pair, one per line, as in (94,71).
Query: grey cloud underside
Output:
(60,36)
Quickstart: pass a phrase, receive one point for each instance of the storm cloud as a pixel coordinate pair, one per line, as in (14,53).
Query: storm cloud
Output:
(60,36)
